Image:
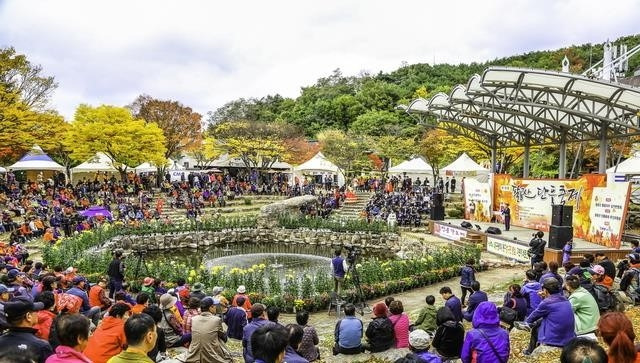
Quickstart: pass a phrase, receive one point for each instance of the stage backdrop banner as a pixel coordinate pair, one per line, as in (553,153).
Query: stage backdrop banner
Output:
(608,213)
(530,200)
(477,200)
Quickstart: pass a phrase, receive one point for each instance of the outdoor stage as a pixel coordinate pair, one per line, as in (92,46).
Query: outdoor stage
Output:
(515,242)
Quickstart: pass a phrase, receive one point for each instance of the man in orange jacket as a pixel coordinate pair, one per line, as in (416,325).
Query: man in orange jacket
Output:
(98,296)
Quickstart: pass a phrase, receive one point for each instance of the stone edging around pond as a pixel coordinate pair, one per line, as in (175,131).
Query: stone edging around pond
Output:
(382,244)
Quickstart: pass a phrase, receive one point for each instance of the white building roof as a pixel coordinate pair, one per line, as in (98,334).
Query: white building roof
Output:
(414,166)
(464,163)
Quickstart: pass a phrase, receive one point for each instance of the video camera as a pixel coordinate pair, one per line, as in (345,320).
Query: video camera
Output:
(352,253)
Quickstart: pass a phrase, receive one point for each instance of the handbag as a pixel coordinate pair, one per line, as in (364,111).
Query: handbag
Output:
(507,314)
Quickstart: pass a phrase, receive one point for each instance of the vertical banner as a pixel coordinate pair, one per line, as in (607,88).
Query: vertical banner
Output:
(477,200)
(608,214)
(530,200)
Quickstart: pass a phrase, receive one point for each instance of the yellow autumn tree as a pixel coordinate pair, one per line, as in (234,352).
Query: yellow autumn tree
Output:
(113,131)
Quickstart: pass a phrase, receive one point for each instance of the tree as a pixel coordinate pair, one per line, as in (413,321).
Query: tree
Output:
(113,130)
(347,150)
(181,126)
(436,147)
(377,123)
(394,149)
(18,75)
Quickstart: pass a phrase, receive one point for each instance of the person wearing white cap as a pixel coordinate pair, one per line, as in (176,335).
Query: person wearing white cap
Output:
(242,291)
(419,344)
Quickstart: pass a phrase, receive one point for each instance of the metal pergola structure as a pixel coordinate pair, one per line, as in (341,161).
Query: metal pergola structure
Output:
(518,107)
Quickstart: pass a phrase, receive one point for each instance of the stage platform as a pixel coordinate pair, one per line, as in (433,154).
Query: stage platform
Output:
(514,243)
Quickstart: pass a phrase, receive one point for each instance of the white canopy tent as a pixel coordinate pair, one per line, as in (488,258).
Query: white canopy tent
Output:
(36,159)
(319,165)
(99,163)
(145,167)
(465,166)
(414,168)
(3,170)
(629,166)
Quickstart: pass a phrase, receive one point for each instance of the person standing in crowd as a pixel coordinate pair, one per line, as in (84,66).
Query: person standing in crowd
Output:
(475,299)
(467,277)
(536,248)
(140,331)
(236,319)
(427,316)
(506,213)
(449,335)
(452,302)
(348,333)
(487,339)
(453,184)
(339,268)
(617,332)
(20,313)
(73,334)
(208,337)
(116,273)
(585,308)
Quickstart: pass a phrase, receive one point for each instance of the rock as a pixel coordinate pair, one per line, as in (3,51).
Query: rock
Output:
(269,214)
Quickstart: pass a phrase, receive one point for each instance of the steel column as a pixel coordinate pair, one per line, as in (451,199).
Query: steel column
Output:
(562,165)
(525,164)
(602,161)
(493,153)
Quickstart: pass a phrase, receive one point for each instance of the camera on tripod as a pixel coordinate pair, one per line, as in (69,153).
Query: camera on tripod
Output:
(352,254)
(139,252)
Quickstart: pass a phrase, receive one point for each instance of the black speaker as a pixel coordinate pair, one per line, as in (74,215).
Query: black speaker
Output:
(567,215)
(438,199)
(493,230)
(437,213)
(466,225)
(559,236)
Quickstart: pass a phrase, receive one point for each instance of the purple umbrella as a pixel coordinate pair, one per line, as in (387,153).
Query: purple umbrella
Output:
(96,211)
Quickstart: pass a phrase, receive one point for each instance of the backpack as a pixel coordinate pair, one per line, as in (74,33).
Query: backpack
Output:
(607,301)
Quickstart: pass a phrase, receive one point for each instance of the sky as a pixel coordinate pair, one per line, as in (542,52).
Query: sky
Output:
(207,53)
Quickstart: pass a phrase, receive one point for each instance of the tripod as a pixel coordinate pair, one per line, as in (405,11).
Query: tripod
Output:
(360,302)
(141,262)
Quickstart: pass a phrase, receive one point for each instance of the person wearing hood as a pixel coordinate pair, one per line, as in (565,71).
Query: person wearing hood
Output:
(449,335)
(530,291)
(380,334)
(487,341)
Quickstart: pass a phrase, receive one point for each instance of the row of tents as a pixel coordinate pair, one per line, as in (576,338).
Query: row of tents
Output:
(37,160)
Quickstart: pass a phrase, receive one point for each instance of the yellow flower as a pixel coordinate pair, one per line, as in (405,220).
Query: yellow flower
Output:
(192,273)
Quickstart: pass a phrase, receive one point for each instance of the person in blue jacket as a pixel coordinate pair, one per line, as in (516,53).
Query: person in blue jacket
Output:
(555,316)
(487,341)
(467,276)
(530,291)
(474,300)
(452,302)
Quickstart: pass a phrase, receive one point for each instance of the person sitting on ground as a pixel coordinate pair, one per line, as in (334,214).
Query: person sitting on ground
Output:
(427,317)
(208,337)
(452,302)
(223,303)
(585,308)
(380,334)
(46,315)
(158,353)
(419,343)
(236,320)
(242,292)
(258,311)
(475,299)
(78,290)
(72,331)
(449,335)
(584,273)
(348,333)
(616,330)
(142,301)
(513,299)
(98,295)
(630,280)
(140,331)
(273,313)
(20,313)
(174,335)
(308,347)
(580,350)
(609,266)
(196,291)
(400,322)
(291,354)
(148,289)
(601,278)
(467,276)
(269,343)
(487,341)
(552,272)
(108,339)
(557,323)
(530,291)
(387,301)
(193,310)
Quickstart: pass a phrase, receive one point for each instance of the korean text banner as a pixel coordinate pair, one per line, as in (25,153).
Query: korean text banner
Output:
(530,200)
(477,200)
(608,213)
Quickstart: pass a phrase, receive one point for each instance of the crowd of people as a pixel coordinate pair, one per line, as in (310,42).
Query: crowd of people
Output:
(404,208)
